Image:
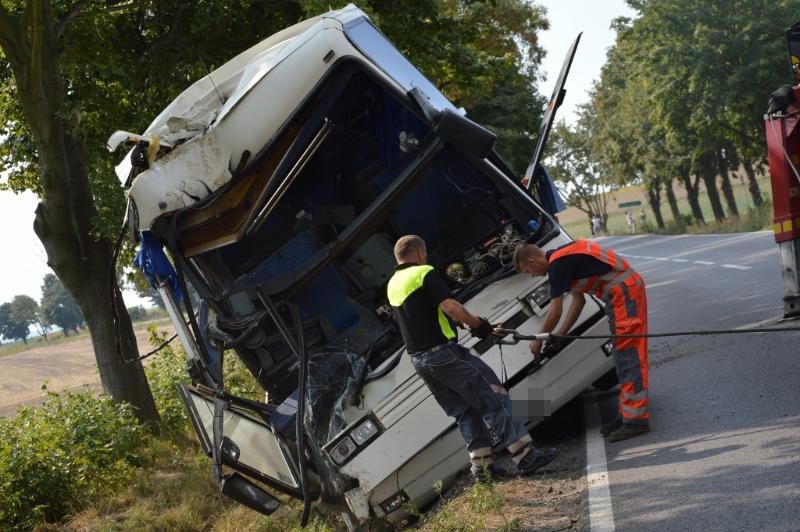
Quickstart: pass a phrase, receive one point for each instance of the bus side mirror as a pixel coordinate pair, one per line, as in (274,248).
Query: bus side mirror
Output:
(454,128)
(464,134)
(245,492)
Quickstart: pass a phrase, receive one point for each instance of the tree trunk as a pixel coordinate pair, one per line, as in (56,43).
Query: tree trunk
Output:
(83,265)
(710,179)
(755,191)
(64,215)
(673,205)
(692,194)
(727,189)
(654,199)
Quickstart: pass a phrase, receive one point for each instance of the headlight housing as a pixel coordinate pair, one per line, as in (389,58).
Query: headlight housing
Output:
(350,442)
(540,296)
(364,432)
(343,450)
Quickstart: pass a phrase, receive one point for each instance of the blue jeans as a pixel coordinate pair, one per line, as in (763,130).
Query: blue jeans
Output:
(468,390)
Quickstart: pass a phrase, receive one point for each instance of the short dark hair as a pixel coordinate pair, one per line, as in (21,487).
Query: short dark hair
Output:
(406,246)
(524,252)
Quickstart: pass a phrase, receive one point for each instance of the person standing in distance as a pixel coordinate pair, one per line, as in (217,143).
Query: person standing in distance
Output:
(631,221)
(582,267)
(463,385)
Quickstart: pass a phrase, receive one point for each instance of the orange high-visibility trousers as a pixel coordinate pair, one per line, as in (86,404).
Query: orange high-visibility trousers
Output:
(626,309)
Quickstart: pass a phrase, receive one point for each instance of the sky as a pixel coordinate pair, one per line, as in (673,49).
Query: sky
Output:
(24,262)
(567,19)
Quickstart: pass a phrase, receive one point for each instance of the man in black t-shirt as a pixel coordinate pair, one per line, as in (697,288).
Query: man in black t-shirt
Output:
(582,267)
(463,385)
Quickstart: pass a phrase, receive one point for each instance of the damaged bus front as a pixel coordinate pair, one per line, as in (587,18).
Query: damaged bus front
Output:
(278,185)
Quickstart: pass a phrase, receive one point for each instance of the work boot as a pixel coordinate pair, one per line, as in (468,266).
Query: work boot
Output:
(611,427)
(536,459)
(488,473)
(628,431)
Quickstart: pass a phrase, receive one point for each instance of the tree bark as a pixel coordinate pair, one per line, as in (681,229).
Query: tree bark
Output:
(710,180)
(64,215)
(727,189)
(673,205)
(692,193)
(752,186)
(654,199)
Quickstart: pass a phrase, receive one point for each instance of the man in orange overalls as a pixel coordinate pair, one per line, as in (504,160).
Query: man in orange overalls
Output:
(582,267)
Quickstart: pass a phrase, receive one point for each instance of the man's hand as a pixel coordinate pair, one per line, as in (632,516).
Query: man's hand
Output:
(536,349)
(483,330)
(553,346)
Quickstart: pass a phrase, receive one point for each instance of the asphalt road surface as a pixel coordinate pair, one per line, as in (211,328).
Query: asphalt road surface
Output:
(724,452)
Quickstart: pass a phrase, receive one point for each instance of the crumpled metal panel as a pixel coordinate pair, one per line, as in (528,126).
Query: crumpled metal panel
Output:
(181,178)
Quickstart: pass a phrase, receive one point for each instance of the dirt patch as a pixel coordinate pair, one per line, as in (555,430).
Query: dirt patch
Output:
(64,366)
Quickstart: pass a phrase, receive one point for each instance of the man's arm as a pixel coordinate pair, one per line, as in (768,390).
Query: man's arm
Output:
(456,310)
(440,295)
(550,322)
(575,308)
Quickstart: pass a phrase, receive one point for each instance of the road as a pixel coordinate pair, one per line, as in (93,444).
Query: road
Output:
(724,452)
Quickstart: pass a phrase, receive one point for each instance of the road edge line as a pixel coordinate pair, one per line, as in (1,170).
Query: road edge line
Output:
(601,512)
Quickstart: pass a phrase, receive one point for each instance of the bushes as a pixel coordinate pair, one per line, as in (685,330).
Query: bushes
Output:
(168,369)
(58,456)
(164,372)
(77,448)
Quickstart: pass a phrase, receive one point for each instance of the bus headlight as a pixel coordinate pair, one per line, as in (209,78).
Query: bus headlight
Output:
(342,450)
(540,296)
(364,432)
(349,443)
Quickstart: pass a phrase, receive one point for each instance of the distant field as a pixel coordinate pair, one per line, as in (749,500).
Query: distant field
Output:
(58,338)
(62,364)
(576,223)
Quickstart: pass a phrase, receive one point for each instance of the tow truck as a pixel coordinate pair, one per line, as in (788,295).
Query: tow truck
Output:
(276,186)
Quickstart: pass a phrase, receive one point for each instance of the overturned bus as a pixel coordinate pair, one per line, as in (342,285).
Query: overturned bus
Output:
(278,184)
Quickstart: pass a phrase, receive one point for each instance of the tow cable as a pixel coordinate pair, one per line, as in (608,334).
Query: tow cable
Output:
(501,335)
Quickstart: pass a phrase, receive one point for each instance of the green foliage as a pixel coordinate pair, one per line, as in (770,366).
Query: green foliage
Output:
(169,368)
(467,513)
(137,313)
(484,498)
(165,371)
(58,307)
(754,219)
(11,326)
(686,81)
(580,176)
(61,455)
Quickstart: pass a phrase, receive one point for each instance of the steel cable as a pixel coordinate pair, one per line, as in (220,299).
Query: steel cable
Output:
(712,332)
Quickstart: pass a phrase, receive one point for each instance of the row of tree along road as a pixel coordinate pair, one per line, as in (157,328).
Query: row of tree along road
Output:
(681,100)
(57,308)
